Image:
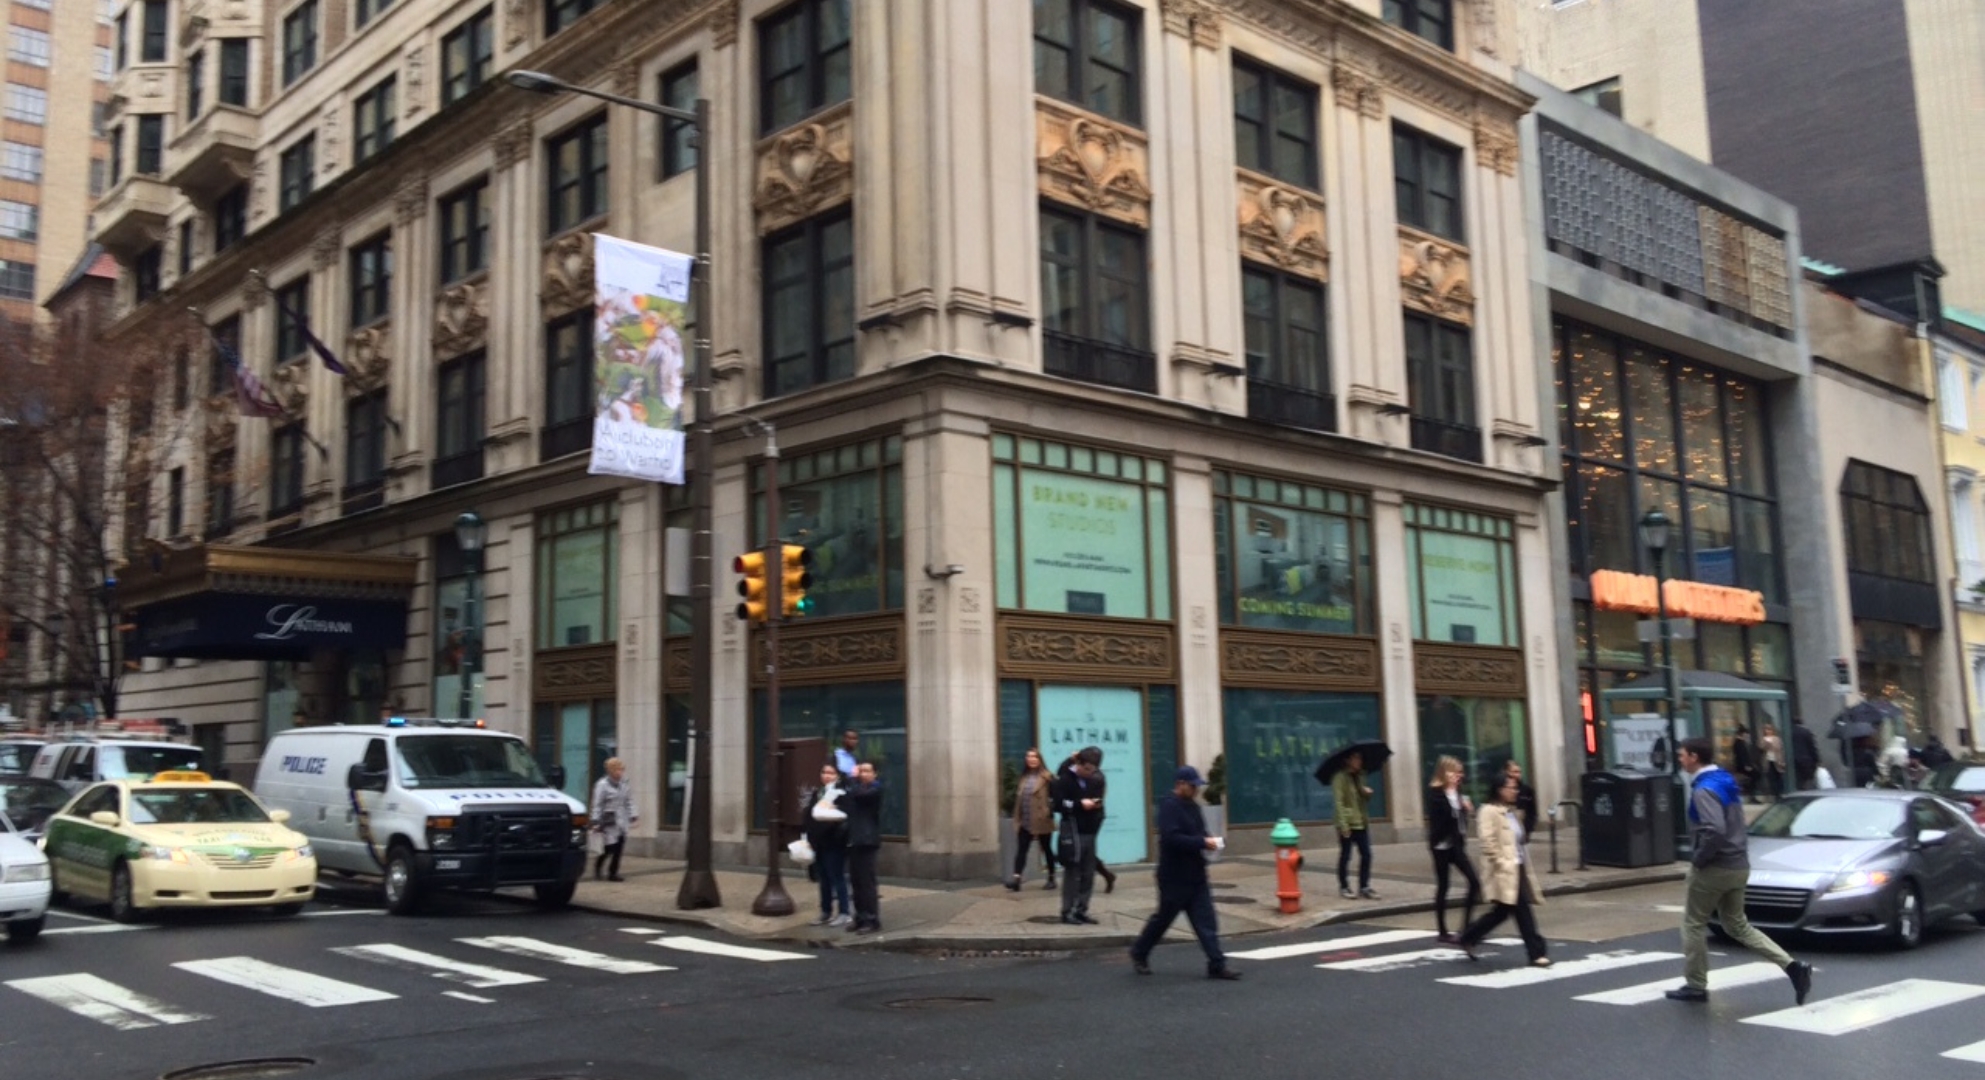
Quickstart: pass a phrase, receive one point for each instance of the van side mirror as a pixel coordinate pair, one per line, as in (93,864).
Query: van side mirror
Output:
(358,779)
(556,775)
(1931,838)
(104,817)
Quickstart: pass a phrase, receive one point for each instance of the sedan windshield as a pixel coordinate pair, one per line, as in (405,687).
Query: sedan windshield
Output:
(1958,777)
(145,762)
(460,761)
(1831,819)
(31,802)
(193,806)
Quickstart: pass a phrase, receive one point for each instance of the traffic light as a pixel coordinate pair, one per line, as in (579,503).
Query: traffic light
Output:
(794,580)
(756,607)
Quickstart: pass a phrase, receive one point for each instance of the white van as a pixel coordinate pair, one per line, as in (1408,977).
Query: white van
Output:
(426,804)
(77,763)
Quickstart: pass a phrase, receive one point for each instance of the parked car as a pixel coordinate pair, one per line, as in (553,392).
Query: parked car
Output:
(1862,861)
(24,884)
(17,754)
(78,763)
(1962,782)
(30,803)
(178,839)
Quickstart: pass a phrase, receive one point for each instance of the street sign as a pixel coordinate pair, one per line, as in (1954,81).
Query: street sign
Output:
(1650,629)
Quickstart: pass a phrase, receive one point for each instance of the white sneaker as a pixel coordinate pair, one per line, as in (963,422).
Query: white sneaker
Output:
(839,920)
(824,920)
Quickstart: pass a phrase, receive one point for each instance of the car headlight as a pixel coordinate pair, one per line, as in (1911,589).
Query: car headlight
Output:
(302,851)
(161,853)
(1850,880)
(13,873)
(578,838)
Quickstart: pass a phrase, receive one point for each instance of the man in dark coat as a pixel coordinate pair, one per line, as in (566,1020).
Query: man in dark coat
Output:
(1182,888)
(1078,798)
(863,802)
(1805,754)
(1743,763)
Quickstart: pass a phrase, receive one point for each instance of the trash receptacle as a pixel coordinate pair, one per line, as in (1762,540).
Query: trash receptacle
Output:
(1615,823)
(1667,805)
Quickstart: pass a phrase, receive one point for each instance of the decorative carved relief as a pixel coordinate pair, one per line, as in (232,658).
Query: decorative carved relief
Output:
(574,673)
(1049,647)
(1309,661)
(410,202)
(461,318)
(517,18)
(413,70)
(369,358)
(1278,19)
(1487,33)
(926,601)
(678,665)
(289,384)
(805,169)
(512,144)
(325,250)
(968,600)
(1096,164)
(1358,90)
(568,273)
(1467,670)
(1426,87)
(723,25)
(1434,276)
(218,426)
(151,84)
(1496,146)
(254,292)
(1199,20)
(327,136)
(1282,225)
(837,651)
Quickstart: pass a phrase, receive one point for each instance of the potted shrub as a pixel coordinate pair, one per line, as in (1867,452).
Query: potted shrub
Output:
(1215,797)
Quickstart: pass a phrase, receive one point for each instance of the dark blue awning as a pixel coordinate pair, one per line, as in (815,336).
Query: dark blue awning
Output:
(234,626)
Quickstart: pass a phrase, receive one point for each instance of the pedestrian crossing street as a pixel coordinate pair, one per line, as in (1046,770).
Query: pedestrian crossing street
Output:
(466,964)
(1826,1014)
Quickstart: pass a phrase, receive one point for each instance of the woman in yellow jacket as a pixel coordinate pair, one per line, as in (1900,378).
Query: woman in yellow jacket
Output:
(1507,880)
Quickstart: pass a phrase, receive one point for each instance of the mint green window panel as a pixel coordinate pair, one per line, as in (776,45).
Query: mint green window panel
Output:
(1006,524)
(1160,554)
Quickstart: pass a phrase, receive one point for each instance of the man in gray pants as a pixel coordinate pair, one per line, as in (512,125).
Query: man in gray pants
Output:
(1717,875)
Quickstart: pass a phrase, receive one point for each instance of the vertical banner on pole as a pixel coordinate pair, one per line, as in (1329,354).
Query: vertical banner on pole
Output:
(640,293)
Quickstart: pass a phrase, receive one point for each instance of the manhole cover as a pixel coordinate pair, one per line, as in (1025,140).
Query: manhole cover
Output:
(1233,899)
(247,1069)
(936,1004)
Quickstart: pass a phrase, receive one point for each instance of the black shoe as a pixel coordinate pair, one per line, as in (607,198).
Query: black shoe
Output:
(872,928)
(1109,882)
(1013,885)
(1688,993)
(1050,886)
(1447,938)
(1070,920)
(615,877)
(1225,974)
(1139,965)
(1083,918)
(1801,974)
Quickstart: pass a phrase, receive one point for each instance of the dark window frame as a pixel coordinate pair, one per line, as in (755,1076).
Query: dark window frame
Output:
(1081,351)
(286,470)
(1308,402)
(366,421)
(220,378)
(196,79)
(679,137)
(187,230)
(813,66)
(374,117)
(370,279)
(559,15)
(231,217)
(299,42)
(1435,26)
(475,39)
(219,516)
(1074,58)
(1414,194)
(175,503)
(290,344)
(466,253)
(590,178)
(561,434)
(154,32)
(235,60)
(460,387)
(364,11)
(148,155)
(1886,524)
(297,173)
(1443,420)
(147,273)
(810,235)
(1270,81)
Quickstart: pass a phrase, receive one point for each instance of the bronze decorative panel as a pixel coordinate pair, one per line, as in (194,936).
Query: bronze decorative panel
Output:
(839,650)
(574,674)
(1467,670)
(1299,661)
(678,665)
(1072,647)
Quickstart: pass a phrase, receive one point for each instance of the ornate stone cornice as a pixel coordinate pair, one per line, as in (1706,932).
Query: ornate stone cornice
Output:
(568,273)
(723,22)
(461,318)
(1358,90)
(512,144)
(1497,145)
(325,250)
(1092,162)
(254,291)
(805,169)
(410,202)
(1199,20)
(1282,225)
(1434,276)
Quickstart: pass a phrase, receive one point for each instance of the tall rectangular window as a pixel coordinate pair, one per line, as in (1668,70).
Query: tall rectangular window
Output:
(1426,179)
(568,386)
(1095,301)
(151,145)
(220,493)
(27,46)
(1087,52)
(299,41)
(298,169)
(151,48)
(559,14)
(19,161)
(809,274)
(182,379)
(231,217)
(286,471)
(19,220)
(364,11)
(1440,381)
(578,578)
(175,503)
(220,377)
(465,231)
(466,55)
(196,84)
(372,119)
(120,37)
(679,91)
(16,280)
(234,72)
(578,175)
(365,452)
(28,104)
(372,280)
(1080,530)
(1887,524)
(459,425)
(1292,556)
(804,61)
(848,500)
(294,298)
(1432,20)
(147,272)
(1288,356)
(116,140)
(1275,127)
(186,243)
(1461,576)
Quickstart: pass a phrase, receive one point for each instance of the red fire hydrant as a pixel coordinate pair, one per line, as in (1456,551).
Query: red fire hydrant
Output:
(1288,861)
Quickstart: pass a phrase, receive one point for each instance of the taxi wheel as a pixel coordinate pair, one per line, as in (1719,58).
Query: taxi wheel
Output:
(123,906)
(22,931)
(402,885)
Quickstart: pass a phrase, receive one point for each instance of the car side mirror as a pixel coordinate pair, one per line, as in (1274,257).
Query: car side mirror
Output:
(104,817)
(556,774)
(279,816)
(1931,837)
(357,778)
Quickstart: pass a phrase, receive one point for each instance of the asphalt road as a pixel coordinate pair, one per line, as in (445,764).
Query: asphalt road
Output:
(490,989)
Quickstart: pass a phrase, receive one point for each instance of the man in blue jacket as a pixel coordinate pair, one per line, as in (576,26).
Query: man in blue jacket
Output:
(1718,873)
(1182,849)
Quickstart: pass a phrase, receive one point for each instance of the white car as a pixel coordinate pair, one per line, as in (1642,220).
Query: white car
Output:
(24,884)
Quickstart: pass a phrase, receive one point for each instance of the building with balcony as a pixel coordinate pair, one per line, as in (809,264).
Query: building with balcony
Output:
(1158,376)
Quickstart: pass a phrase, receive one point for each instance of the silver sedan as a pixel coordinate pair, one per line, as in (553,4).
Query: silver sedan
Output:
(1864,862)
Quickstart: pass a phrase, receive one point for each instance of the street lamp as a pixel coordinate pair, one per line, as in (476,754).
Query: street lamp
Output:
(471,533)
(699,883)
(1654,536)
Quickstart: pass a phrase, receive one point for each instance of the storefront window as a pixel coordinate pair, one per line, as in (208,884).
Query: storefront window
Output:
(1461,574)
(675,758)
(1081,531)
(846,505)
(581,736)
(282,698)
(877,711)
(1890,661)
(1291,556)
(578,575)
(458,623)
(1274,741)
(1483,734)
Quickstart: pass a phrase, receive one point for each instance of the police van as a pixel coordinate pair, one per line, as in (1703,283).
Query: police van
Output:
(428,804)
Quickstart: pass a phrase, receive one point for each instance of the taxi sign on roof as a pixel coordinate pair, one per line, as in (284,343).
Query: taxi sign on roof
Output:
(181,776)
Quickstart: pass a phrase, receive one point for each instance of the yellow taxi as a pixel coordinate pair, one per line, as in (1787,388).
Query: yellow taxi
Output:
(177,839)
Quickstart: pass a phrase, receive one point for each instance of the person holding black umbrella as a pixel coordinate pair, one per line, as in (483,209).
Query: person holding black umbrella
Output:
(1353,827)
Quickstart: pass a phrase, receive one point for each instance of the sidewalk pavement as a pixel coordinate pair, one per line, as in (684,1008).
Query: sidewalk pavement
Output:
(977,917)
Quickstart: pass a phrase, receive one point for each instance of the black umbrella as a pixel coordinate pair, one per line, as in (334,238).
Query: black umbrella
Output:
(1864,721)
(1373,751)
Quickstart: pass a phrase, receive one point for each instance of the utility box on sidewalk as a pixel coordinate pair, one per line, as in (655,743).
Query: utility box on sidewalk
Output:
(1617,818)
(798,772)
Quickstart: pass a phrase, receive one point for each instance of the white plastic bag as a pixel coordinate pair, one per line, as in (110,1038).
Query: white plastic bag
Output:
(801,851)
(1825,780)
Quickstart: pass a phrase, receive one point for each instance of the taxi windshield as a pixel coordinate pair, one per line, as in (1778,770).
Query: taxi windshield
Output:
(144,762)
(193,806)
(460,761)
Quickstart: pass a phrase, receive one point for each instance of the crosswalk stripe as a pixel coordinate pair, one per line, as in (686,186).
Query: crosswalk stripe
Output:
(560,954)
(1395,961)
(718,948)
(461,996)
(1570,969)
(642,930)
(104,1001)
(1974,1052)
(1720,979)
(108,928)
(1318,948)
(1870,1007)
(440,967)
(290,984)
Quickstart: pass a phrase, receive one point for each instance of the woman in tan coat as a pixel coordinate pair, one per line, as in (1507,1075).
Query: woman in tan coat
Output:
(1033,819)
(1507,880)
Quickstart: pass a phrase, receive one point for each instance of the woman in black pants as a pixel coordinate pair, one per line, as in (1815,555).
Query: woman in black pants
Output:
(1447,837)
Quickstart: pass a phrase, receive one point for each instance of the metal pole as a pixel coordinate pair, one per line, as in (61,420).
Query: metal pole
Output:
(699,882)
(773,899)
(1668,676)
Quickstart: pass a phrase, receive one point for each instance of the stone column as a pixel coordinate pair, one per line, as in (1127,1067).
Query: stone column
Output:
(638,684)
(730,728)
(1399,707)
(1552,725)
(411,398)
(1202,707)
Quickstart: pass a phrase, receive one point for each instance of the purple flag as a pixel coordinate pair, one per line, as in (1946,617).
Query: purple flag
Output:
(317,346)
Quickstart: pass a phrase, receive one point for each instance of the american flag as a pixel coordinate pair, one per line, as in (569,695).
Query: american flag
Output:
(251,397)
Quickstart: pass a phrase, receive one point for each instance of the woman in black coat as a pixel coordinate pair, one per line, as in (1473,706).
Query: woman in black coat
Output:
(1447,838)
(829,837)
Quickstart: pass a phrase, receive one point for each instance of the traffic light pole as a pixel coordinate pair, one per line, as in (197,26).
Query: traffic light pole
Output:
(773,899)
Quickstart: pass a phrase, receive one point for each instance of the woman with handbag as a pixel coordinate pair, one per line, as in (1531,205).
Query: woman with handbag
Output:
(613,814)
(1033,819)
(827,832)
(1512,888)
(1447,838)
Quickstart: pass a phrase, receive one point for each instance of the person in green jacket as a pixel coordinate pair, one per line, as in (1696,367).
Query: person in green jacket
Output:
(1353,828)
